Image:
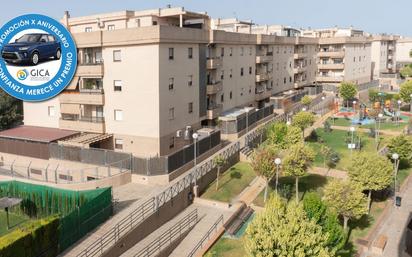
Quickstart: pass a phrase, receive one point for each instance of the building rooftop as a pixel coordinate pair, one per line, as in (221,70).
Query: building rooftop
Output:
(37,134)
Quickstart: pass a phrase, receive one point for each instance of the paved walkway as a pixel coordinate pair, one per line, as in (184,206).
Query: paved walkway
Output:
(394,226)
(365,130)
(329,172)
(128,198)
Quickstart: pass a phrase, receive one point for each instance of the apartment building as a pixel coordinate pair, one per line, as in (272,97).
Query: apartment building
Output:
(344,55)
(383,55)
(403,51)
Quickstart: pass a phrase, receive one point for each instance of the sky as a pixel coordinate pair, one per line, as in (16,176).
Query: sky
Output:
(374,16)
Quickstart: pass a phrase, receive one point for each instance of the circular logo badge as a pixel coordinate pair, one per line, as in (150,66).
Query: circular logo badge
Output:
(38,57)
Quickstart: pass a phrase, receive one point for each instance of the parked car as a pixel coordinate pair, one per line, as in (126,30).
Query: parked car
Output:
(31,49)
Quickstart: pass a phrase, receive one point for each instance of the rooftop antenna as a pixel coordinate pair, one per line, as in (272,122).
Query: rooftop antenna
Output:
(169,6)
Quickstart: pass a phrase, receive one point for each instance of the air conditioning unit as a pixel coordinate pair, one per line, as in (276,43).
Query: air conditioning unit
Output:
(188,132)
(179,133)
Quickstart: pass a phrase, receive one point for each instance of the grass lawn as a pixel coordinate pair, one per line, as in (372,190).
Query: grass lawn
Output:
(227,247)
(231,183)
(336,141)
(15,220)
(346,122)
(310,182)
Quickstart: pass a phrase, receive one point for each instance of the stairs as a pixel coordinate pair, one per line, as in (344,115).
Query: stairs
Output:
(246,153)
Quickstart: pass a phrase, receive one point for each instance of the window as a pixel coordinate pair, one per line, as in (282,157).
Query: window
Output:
(354,59)
(190,80)
(290,79)
(190,107)
(51,38)
(250,70)
(242,51)
(171,113)
(154,23)
(44,38)
(171,142)
(118,144)
(230,95)
(222,74)
(51,111)
(110,27)
(118,115)
(88,29)
(171,53)
(138,23)
(284,80)
(230,73)
(250,50)
(171,83)
(241,71)
(231,51)
(117,84)
(190,52)
(222,98)
(222,51)
(117,55)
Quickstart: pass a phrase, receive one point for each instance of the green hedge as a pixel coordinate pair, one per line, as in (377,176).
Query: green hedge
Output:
(34,238)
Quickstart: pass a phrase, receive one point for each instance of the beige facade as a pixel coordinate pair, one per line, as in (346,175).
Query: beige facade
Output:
(403,50)
(383,55)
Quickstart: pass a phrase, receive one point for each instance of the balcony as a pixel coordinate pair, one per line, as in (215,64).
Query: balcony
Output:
(331,66)
(390,66)
(84,124)
(90,70)
(262,77)
(332,54)
(299,55)
(213,88)
(390,56)
(214,63)
(214,111)
(263,59)
(391,47)
(262,95)
(299,69)
(331,79)
(84,96)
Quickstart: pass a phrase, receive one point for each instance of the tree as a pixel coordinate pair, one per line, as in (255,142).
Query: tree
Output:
(10,110)
(219,161)
(293,136)
(325,151)
(317,210)
(276,134)
(370,172)
(347,91)
(402,146)
(284,230)
(406,91)
(306,100)
(303,120)
(406,71)
(298,160)
(373,95)
(346,199)
(263,164)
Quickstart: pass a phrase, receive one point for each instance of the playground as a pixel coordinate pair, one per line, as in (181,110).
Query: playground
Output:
(382,114)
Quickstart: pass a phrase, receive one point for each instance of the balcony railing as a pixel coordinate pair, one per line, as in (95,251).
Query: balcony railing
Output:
(214,63)
(90,69)
(213,111)
(213,88)
(299,55)
(263,95)
(263,59)
(331,66)
(262,77)
(84,96)
(84,124)
(299,69)
(332,54)
(333,79)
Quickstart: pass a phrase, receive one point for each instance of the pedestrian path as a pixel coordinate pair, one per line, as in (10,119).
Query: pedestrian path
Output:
(366,130)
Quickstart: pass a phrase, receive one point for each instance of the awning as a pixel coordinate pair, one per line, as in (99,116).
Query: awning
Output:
(85,139)
(70,108)
(73,84)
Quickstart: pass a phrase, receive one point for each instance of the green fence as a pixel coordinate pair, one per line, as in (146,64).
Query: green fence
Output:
(80,211)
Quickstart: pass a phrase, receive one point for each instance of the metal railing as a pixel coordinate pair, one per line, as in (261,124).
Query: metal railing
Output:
(169,236)
(137,216)
(206,237)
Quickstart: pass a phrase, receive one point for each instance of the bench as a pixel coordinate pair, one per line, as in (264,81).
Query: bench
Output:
(379,244)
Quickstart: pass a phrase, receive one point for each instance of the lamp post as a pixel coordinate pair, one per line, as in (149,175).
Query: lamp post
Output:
(398,114)
(278,161)
(354,106)
(304,109)
(395,158)
(323,105)
(380,115)
(352,129)
(195,136)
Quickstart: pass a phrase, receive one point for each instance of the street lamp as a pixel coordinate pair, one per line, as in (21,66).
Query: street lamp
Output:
(304,109)
(398,114)
(323,105)
(278,161)
(380,116)
(195,136)
(352,129)
(395,157)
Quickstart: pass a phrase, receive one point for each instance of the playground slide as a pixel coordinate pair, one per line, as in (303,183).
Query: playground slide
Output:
(386,112)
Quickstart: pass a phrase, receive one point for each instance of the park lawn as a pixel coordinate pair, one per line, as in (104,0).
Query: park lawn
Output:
(402,175)
(231,183)
(227,247)
(310,182)
(336,141)
(346,122)
(15,220)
